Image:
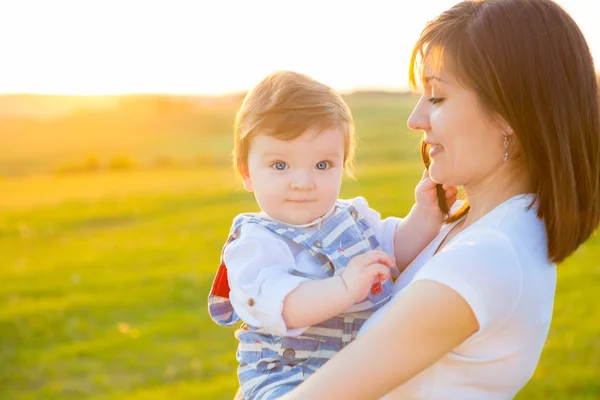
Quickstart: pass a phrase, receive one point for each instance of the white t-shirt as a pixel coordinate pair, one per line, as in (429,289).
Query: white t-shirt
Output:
(500,266)
(265,267)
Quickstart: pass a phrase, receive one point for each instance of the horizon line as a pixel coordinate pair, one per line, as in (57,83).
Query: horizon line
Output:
(387,89)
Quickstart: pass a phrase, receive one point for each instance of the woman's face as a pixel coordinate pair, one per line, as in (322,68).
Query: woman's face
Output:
(466,144)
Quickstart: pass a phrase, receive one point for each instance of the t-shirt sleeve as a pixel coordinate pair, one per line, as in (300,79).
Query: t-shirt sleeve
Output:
(259,267)
(483,268)
(384,229)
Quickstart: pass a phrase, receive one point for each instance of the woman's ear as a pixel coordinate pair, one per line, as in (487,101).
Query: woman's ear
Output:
(503,126)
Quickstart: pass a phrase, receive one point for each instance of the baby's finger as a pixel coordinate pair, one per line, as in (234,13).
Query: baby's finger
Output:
(380,271)
(378,257)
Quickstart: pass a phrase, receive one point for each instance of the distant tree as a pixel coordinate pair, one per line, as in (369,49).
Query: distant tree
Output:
(120,163)
(165,162)
(90,164)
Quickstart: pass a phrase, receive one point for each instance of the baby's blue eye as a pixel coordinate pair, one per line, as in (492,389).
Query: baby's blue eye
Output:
(322,165)
(280,166)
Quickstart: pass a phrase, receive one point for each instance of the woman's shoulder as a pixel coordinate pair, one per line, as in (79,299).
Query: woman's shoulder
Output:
(484,249)
(512,226)
(502,252)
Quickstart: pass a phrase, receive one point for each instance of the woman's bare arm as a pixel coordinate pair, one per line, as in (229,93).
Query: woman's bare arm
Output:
(426,323)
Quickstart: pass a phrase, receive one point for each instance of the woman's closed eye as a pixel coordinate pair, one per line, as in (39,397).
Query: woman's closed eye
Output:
(435,100)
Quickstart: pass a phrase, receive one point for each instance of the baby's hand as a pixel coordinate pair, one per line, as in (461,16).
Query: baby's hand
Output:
(426,197)
(365,270)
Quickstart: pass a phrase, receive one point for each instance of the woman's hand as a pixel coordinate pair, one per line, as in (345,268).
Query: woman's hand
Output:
(426,198)
(423,222)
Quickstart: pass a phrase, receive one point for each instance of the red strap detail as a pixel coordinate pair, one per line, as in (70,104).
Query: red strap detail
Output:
(376,288)
(220,285)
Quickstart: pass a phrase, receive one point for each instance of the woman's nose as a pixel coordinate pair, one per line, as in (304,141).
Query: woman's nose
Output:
(419,118)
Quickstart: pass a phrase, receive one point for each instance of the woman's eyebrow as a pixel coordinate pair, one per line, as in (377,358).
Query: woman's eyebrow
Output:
(429,78)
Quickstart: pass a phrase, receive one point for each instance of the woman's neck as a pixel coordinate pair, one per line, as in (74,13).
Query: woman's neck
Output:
(486,194)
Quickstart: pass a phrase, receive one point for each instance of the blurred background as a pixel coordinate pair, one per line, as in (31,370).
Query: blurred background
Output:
(117,192)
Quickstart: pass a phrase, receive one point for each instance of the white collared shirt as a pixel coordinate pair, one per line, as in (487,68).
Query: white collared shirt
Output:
(264,267)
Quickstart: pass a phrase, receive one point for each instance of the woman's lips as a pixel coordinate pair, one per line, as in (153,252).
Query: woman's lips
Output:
(435,150)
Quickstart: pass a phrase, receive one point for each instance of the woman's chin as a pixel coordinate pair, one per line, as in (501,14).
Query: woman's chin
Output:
(436,174)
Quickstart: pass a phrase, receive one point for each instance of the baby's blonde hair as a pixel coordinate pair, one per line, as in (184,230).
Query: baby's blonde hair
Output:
(284,105)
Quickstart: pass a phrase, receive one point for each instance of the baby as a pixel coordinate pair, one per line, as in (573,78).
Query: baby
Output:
(307,271)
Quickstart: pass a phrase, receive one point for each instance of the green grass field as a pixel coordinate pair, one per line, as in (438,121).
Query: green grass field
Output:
(104,276)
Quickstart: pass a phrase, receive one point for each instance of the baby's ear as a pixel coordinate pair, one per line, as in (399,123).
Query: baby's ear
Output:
(246,177)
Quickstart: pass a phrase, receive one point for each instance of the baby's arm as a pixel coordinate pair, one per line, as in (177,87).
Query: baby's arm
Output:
(265,293)
(313,302)
(423,222)
(413,234)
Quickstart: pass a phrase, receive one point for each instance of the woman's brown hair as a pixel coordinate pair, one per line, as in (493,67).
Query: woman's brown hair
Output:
(530,65)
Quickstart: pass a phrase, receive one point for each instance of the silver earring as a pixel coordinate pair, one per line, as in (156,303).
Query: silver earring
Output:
(505,147)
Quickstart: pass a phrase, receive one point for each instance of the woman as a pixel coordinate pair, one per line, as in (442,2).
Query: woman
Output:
(510,112)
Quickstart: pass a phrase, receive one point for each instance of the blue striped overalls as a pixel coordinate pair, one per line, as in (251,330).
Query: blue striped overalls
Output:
(270,365)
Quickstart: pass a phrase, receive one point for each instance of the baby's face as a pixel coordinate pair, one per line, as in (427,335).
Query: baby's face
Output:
(298,180)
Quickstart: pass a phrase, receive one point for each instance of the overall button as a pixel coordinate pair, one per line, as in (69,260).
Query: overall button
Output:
(318,244)
(289,354)
(354,214)
(251,302)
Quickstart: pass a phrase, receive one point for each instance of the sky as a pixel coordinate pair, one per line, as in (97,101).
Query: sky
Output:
(216,47)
